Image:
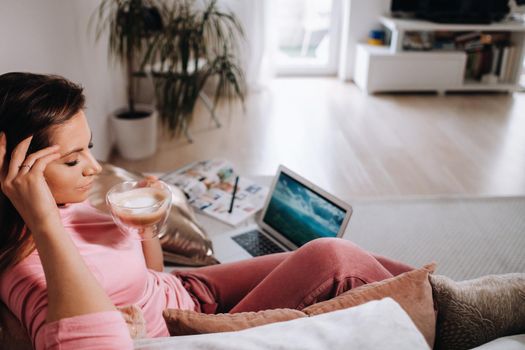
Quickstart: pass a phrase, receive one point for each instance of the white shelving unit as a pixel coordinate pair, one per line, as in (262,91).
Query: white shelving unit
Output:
(390,68)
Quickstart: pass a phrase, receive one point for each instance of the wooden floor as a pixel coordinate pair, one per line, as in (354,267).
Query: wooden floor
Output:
(356,145)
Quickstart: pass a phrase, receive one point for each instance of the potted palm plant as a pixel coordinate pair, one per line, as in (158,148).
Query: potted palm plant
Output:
(198,46)
(130,23)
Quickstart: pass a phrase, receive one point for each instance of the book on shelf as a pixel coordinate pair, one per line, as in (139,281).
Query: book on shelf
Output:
(209,186)
(495,60)
(509,60)
(461,38)
(479,62)
(508,74)
(491,57)
(504,64)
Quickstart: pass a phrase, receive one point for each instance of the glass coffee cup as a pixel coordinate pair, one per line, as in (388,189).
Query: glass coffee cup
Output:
(140,208)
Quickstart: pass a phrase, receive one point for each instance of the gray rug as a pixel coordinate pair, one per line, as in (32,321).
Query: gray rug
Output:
(466,237)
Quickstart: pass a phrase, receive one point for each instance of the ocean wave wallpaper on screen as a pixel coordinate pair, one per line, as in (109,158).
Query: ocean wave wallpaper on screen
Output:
(300,214)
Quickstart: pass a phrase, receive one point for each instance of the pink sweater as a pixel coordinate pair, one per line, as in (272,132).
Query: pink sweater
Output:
(119,266)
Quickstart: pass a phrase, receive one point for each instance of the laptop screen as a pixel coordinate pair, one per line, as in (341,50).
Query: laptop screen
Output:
(300,214)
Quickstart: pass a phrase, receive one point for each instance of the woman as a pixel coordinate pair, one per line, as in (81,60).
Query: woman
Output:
(64,267)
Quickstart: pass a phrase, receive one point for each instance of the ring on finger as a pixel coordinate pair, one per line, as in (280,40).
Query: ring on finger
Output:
(24,166)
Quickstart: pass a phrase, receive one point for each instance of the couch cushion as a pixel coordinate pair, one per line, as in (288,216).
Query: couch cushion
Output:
(471,313)
(374,325)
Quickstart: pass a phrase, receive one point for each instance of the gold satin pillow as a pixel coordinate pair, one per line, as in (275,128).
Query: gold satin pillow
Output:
(185,242)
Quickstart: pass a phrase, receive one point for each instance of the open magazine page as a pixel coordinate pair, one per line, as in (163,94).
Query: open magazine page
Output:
(209,187)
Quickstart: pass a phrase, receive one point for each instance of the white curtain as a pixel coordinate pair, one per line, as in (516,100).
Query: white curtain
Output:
(256,57)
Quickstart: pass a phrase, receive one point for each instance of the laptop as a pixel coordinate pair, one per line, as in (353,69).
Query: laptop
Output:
(295,212)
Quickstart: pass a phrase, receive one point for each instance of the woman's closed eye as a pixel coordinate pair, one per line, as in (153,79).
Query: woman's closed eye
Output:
(76,161)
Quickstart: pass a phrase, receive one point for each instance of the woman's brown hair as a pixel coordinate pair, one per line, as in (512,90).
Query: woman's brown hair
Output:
(30,104)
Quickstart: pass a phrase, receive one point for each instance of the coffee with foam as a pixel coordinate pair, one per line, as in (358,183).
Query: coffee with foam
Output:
(141,206)
(142,210)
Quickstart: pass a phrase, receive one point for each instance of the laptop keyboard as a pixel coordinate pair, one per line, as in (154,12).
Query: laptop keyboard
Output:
(256,243)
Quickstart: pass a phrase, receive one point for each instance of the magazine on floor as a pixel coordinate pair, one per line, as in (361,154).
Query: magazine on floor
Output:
(209,186)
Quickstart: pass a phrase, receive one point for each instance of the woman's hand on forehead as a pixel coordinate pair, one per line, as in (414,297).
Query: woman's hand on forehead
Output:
(23,182)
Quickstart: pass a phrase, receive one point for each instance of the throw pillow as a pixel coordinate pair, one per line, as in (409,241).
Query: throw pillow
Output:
(474,312)
(411,290)
(188,322)
(363,327)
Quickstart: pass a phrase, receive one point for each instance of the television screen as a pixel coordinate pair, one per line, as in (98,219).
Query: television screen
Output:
(407,6)
(454,11)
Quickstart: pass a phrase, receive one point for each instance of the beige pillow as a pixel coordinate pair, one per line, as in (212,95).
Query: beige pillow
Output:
(474,312)
(411,290)
(187,322)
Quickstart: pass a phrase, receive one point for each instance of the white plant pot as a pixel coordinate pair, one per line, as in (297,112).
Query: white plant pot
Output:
(136,138)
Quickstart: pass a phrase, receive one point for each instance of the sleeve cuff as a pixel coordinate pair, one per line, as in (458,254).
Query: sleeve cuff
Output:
(100,330)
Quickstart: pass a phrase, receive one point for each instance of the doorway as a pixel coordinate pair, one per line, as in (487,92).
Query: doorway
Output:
(306,35)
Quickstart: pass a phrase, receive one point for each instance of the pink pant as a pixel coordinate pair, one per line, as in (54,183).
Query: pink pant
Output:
(319,270)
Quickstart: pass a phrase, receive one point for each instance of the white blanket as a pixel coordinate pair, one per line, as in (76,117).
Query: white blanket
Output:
(375,325)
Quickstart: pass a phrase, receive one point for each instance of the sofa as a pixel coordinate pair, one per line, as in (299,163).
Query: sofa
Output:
(448,314)
(414,310)
(362,327)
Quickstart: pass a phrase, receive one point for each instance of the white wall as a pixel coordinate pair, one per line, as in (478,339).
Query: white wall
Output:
(52,36)
(360,17)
